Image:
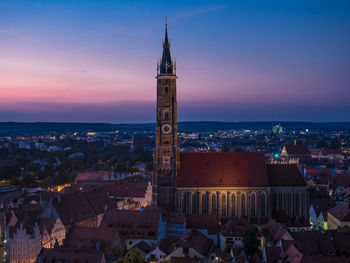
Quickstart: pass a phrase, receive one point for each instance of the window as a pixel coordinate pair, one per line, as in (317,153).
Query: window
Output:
(213,204)
(204,204)
(223,205)
(166,115)
(194,203)
(243,210)
(252,205)
(262,204)
(298,205)
(185,203)
(289,205)
(280,201)
(233,204)
(166,91)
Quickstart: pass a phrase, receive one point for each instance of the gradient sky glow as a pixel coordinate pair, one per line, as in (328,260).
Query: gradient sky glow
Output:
(95,61)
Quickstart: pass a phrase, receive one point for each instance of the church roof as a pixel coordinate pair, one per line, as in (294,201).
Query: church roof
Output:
(166,66)
(284,175)
(222,169)
(238,169)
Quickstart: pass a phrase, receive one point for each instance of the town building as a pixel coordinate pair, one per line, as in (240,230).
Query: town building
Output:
(339,216)
(222,184)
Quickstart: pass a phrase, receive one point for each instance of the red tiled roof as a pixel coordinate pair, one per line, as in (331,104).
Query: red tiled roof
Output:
(48,222)
(341,211)
(222,169)
(48,255)
(88,237)
(133,224)
(143,246)
(209,222)
(342,179)
(235,227)
(273,254)
(198,241)
(297,150)
(284,175)
(176,218)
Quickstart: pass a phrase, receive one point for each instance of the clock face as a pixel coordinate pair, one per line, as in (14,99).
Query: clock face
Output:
(166,128)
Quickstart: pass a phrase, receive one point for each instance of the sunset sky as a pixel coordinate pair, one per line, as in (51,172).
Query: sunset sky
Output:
(95,61)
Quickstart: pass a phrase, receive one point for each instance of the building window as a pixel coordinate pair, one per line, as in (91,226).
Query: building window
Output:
(213,204)
(243,206)
(184,203)
(262,204)
(280,202)
(194,203)
(252,205)
(298,205)
(289,204)
(204,204)
(166,115)
(223,205)
(233,205)
(166,91)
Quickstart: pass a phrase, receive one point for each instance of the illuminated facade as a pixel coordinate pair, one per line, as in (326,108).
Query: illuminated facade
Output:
(223,184)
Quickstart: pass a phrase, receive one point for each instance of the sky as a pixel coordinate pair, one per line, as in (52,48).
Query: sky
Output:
(240,60)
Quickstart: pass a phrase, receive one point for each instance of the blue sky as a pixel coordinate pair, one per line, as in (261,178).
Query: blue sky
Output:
(237,60)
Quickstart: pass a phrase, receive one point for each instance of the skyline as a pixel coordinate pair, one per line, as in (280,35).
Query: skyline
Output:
(241,61)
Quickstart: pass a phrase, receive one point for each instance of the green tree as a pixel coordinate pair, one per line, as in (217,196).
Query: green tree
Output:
(132,257)
(250,241)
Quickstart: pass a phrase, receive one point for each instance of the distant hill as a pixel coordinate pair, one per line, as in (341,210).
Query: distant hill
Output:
(38,128)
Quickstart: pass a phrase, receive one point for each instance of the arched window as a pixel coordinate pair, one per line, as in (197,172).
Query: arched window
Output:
(194,203)
(252,205)
(289,205)
(274,201)
(166,90)
(166,115)
(243,206)
(184,203)
(262,204)
(298,204)
(213,204)
(233,198)
(280,201)
(204,204)
(223,205)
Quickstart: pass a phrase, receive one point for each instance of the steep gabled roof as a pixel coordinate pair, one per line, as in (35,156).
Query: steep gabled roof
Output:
(222,169)
(284,175)
(297,150)
(48,255)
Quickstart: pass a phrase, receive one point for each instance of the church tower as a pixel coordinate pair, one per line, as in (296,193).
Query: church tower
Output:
(166,152)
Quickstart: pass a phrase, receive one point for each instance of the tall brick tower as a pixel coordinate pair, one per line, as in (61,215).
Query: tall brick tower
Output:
(166,152)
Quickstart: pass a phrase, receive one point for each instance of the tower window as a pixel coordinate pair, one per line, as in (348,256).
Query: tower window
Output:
(166,90)
(166,115)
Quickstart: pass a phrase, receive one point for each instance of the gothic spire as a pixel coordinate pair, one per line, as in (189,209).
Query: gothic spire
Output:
(166,66)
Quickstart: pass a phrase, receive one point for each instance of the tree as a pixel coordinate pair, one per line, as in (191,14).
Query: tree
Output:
(224,147)
(250,241)
(48,182)
(132,257)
